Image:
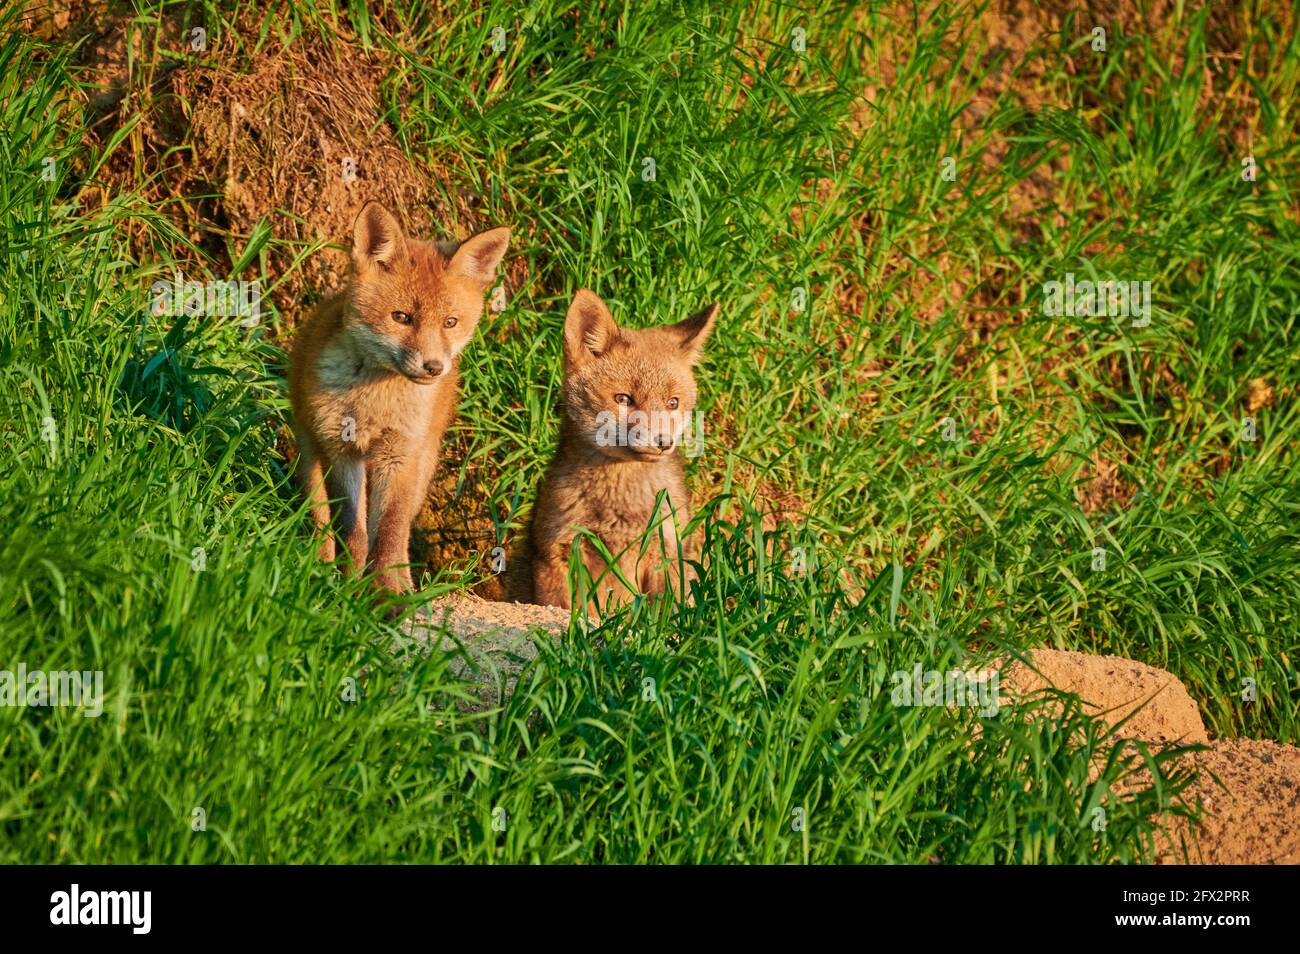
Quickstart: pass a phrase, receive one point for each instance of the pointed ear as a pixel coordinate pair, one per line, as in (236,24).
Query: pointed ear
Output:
(692,332)
(377,238)
(477,258)
(589,328)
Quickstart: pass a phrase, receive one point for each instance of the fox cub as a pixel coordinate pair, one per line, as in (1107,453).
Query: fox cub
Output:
(629,395)
(373,382)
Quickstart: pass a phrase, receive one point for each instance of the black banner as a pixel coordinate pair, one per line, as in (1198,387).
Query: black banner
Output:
(137,904)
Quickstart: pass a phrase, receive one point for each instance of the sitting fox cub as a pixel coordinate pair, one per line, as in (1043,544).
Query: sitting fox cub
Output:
(628,397)
(373,381)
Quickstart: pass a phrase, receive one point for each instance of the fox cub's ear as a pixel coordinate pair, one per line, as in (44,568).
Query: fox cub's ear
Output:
(589,328)
(692,332)
(377,238)
(477,258)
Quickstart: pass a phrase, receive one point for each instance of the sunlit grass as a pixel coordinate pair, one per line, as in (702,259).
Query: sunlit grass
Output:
(774,171)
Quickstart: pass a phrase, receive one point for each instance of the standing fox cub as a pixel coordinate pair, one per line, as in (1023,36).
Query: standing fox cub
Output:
(629,395)
(373,382)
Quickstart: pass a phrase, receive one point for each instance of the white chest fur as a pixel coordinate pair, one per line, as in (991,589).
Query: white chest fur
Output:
(356,407)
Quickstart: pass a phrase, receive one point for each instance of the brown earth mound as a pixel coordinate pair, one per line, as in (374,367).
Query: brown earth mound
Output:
(1156,703)
(299,141)
(1252,818)
(291,137)
(1247,790)
(492,642)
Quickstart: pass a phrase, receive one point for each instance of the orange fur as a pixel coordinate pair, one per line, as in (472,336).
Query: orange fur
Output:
(611,489)
(373,381)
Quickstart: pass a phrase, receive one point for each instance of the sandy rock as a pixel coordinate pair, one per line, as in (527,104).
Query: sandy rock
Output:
(1114,688)
(1255,821)
(493,641)
(1253,818)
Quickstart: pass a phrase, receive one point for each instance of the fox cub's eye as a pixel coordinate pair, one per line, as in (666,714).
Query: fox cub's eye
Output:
(449,321)
(402,318)
(672,404)
(623,399)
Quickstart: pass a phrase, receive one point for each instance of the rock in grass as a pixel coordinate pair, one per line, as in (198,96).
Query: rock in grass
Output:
(1152,704)
(492,642)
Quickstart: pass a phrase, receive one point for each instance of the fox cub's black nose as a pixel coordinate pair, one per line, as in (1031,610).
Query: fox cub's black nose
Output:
(433,366)
(664,440)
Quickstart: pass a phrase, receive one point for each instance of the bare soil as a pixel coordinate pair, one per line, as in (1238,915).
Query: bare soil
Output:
(1248,790)
(1154,702)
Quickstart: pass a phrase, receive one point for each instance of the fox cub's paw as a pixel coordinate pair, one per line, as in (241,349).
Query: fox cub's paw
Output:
(396,580)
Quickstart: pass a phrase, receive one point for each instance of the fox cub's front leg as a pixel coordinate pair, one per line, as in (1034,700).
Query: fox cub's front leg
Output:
(311,473)
(550,579)
(348,486)
(399,493)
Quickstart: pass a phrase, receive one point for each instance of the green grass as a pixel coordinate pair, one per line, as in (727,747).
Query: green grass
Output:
(774,170)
